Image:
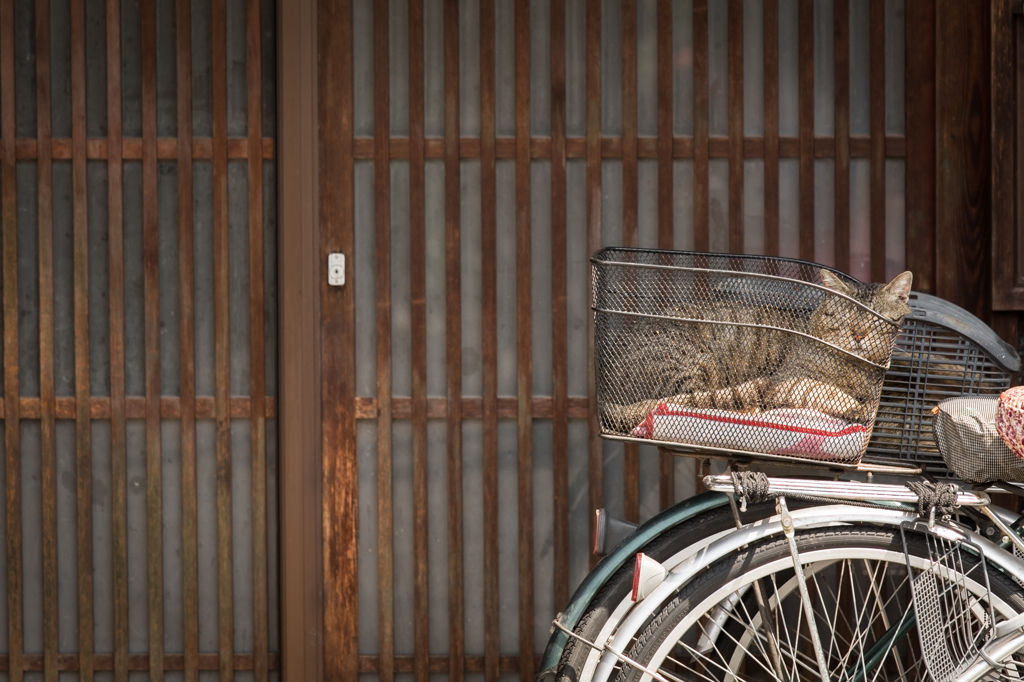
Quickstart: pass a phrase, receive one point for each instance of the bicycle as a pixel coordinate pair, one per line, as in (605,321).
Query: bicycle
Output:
(730,593)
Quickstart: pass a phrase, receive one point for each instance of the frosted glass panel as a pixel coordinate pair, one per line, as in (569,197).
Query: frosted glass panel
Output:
(789,68)
(753,207)
(753,67)
(718,68)
(369,614)
(612,231)
(398,66)
(647,211)
(404,556)
(469,67)
(860,69)
(611,67)
(505,69)
(401,282)
(824,68)
(540,275)
(860,219)
(362,67)
(433,68)
(682,67)
(895,217)
(472,303)
(575,68)
(789,208)
(506,278)
(718,211)
(895,65)
(540,68)
(364,274)
(683,201)
(824,211)
(647,66)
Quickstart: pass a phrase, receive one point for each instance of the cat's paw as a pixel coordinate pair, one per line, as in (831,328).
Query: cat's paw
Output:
(849,408)
(624,418)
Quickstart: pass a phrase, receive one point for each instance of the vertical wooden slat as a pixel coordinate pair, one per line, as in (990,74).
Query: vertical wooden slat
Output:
(418,287)
(47,386)
(665,199)
(701,166)
(701,181)
(665,131)
(186,326)
(453,336)
(12,389)
(118,448)
(83,422)
(221,283)
(382,212)
(524,339)
(771,127)
(489,339)
(842,133)
(308,602)
(963,155)
(631,460)
(257,355)
(595,463)
(559,318)
(806,108)
(878,189)
(151,280)
(920,127)
(629,125)
(736,126)
(1005,82)
(337,317)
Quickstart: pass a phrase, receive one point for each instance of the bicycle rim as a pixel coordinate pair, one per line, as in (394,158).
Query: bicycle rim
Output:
(613,603)
(719,629)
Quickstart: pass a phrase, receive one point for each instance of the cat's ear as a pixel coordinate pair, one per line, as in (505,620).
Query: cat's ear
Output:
(900,286)
(830,281)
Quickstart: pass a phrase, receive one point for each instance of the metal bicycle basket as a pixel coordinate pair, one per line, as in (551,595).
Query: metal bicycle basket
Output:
(736,355)
(952,602)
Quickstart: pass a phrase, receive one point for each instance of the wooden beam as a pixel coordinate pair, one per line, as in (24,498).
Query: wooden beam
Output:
(299,423)
(963,210)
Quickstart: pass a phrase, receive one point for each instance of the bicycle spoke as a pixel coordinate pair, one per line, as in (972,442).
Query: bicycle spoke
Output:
(859,601)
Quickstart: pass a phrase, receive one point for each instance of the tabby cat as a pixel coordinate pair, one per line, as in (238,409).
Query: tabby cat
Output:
(744,366)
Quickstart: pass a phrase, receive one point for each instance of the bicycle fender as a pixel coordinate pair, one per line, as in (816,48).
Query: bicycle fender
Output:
(610,564)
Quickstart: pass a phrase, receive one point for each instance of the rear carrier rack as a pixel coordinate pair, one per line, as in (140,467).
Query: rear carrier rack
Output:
(736,356)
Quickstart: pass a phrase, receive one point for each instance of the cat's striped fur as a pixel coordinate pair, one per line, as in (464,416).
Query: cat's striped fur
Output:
(742,365)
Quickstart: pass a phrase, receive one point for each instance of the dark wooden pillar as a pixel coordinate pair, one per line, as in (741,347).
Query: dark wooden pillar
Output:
(301,544)
(963,159)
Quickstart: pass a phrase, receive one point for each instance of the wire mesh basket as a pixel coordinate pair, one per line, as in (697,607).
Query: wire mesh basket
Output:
(942,351)
(736,354)
(952,604)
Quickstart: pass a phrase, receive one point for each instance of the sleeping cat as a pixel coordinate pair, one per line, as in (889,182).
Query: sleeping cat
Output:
(743,366)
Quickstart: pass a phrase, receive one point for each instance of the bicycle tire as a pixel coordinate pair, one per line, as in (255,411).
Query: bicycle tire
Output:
(578,659)
(713,629)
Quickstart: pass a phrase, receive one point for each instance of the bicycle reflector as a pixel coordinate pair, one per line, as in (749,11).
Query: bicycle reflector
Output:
(647,575)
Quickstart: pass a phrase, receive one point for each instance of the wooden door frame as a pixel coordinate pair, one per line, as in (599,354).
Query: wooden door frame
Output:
(299,416)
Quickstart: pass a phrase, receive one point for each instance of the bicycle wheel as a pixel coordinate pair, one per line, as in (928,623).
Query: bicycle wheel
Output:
(744,618)
(613,601)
